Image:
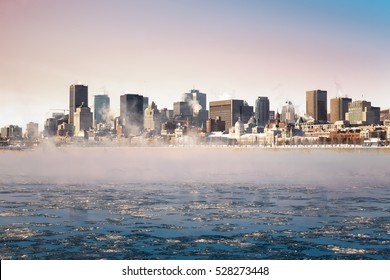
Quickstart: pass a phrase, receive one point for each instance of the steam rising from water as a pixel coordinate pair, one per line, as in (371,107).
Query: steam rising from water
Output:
(194,203)
(329,168)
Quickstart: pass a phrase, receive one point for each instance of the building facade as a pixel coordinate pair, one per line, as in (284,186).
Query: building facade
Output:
(83,120)
(32,131)
(183,109)
(78,96)
(101,109)
(12,132)
(200,98)
(145,103)
(361,112)
(230,111)
(152,118)
(262,111)
(338,108)
(131,114)
(316,105)
(288,113)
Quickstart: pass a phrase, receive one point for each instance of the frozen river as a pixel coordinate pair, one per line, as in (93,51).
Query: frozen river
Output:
(194,203)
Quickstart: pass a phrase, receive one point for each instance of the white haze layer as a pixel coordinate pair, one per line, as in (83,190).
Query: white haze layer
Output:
(170,165)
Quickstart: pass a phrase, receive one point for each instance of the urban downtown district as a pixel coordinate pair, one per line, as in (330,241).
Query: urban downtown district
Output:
(350,123)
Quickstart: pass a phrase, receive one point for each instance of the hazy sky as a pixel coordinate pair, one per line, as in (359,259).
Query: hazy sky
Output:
(162,48)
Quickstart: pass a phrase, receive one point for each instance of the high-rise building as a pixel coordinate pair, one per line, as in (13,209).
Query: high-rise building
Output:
(183,109)
(200,98)
(145,103)
(361,112)
(101,108)
(152,118)
(338,108)
(316,105)
(288,113)
(131,114)
(262,110)
(83,120)
(51,124)
(78,97)
(230,111)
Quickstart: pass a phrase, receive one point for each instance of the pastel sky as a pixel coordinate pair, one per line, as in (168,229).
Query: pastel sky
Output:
(162,48)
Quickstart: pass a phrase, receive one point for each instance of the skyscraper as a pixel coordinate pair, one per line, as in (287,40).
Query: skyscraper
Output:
(78,97)
(83,120)
(338,108)
(288,113)
(101,108)
(262,110)
(152,118)
(316,105)
(145,103)
(200,98)
(131,114)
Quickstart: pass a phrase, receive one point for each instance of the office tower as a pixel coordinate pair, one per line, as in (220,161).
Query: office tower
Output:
(200,98)
(361,112)
(83,120)
(78,97)
(145,102)
(182,109)
(101,108)
(288,113)
(316,105)
(262,110)
(51,124)
(152,118)
(338,108)
(131,114)
(229,111)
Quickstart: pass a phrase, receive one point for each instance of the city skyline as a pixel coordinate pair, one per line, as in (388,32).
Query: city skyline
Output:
(160,49)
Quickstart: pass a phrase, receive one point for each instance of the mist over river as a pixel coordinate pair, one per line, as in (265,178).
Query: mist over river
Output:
(195,203)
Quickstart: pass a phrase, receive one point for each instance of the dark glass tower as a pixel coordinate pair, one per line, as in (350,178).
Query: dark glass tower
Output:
(131,113)
(78,97)
(101,108)
(262,111)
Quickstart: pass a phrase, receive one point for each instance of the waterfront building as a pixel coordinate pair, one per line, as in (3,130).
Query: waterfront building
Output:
(262,112)
(12,132)
(338,108)
(316,105)
(215,125)
(361,112)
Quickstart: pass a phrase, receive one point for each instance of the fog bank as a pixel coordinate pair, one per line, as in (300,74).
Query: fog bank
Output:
(171,165)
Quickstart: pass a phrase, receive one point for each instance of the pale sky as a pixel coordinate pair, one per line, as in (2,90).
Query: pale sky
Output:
(162,48)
